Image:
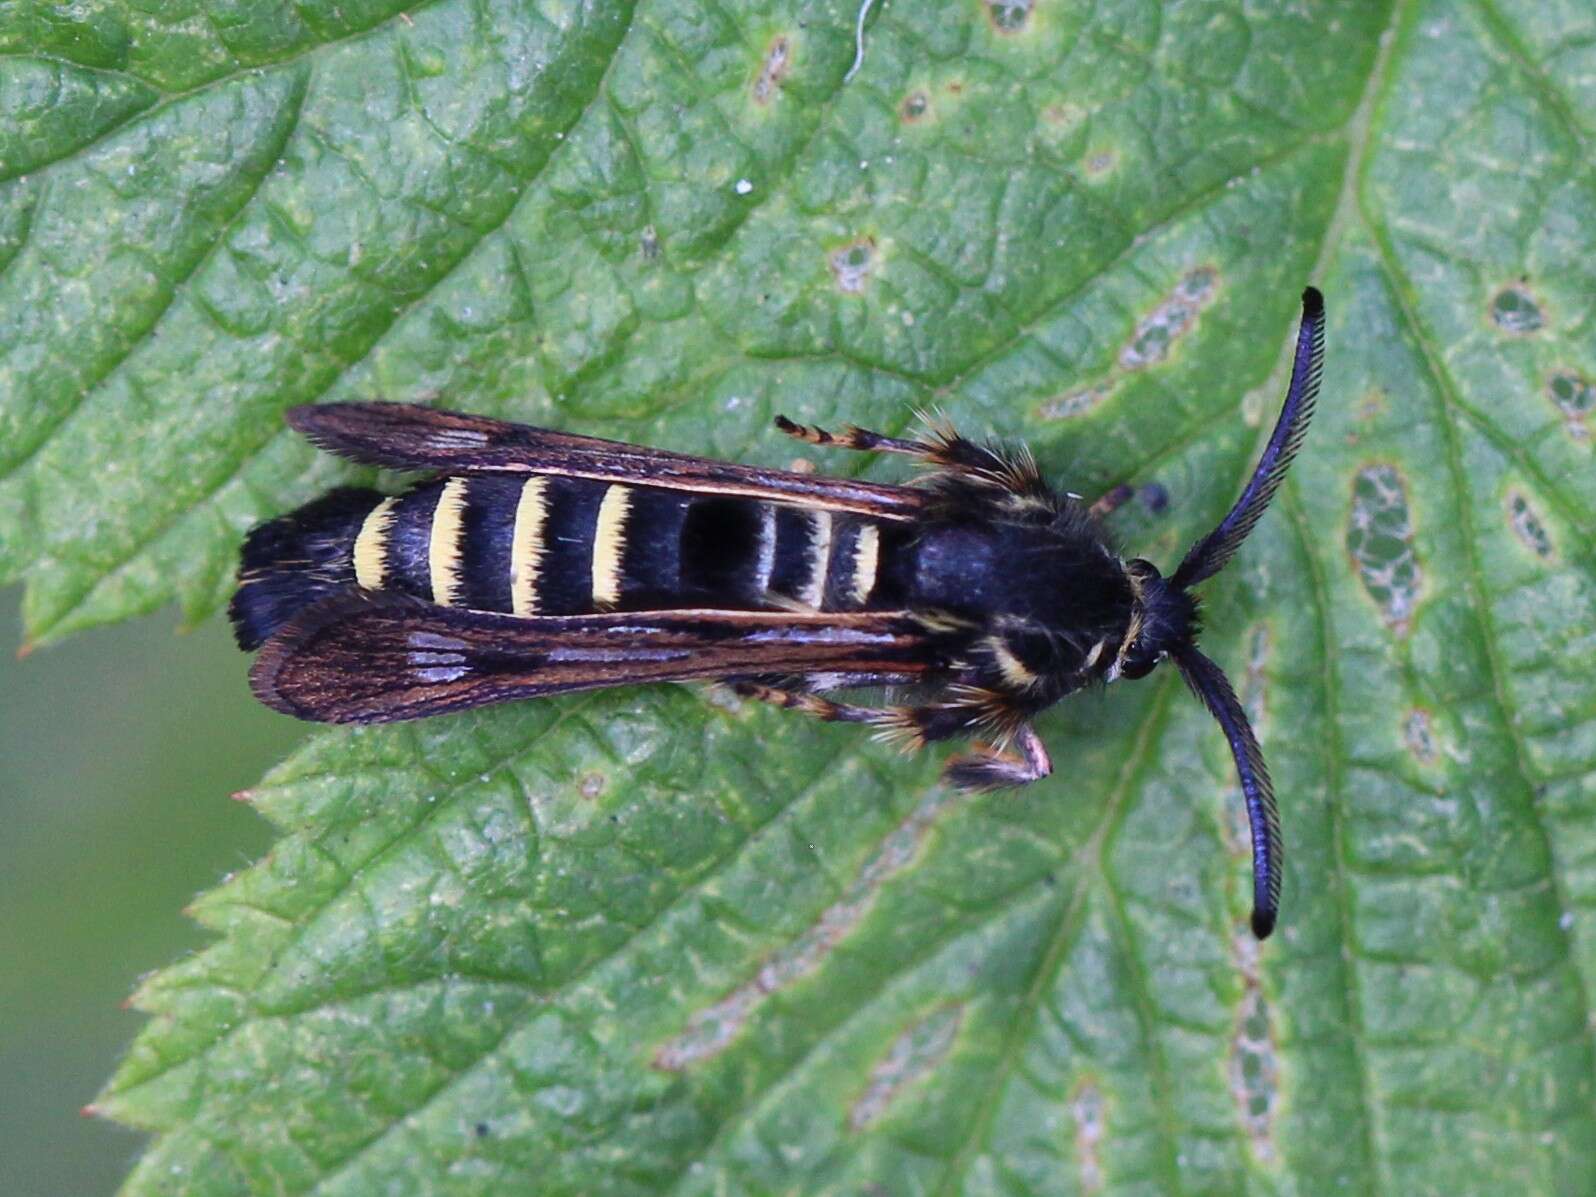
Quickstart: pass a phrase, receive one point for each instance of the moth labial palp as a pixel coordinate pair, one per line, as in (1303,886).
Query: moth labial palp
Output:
(536,562)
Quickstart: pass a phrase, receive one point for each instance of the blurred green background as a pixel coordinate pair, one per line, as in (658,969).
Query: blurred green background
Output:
(117,752)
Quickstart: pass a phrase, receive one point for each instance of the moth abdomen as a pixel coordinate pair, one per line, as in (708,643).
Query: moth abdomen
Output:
(292,561)
(534,545)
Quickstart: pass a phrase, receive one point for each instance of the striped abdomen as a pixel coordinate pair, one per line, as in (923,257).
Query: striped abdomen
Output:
(547,545)
(565,546)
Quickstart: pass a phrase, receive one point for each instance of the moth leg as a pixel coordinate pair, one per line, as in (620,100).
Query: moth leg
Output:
(1153,496)
(1111,501)
(944,447)
(854,437)
(911,727)
(989,768)
(810,704)
(1011,470)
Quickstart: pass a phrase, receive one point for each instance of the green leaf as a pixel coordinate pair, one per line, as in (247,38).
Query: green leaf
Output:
(643,941)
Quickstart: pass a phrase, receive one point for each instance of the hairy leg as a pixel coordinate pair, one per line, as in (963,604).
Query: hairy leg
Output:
(1153,496)
(1011,470)
(986,768)
(852,437)
(911,726)
(989,769)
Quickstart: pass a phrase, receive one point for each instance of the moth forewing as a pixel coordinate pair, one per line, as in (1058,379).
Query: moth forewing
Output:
(400,436)
(381,658)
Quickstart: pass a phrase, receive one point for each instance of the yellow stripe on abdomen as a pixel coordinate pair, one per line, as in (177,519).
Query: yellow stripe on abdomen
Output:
(371,546)
(866,559)
(526,545)
(609,542)
(820,559)
(443,542)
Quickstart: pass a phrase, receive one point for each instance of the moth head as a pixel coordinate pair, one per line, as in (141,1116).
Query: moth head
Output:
(1164,619)
(1163,622)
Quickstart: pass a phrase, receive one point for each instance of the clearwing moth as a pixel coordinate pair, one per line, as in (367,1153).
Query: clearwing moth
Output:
(535,562)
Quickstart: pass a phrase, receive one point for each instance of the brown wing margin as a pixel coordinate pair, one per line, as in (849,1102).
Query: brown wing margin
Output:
(405,437)
(359,659)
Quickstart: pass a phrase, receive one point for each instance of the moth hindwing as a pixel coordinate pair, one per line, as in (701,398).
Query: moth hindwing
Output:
(535,562)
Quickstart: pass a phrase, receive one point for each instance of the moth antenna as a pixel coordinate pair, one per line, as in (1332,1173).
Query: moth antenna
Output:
(1208,682)
(1210,554)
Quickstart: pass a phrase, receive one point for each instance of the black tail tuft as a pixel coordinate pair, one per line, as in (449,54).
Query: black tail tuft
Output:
(294,560)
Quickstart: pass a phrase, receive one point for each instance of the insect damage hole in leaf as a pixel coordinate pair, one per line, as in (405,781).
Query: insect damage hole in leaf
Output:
(916,107)
(1009,16)
(1575,396)
(1157,332)
(1528,526)
(1380,542)
(1254,1064)
(853,264)
(1151,342)
(1515,309)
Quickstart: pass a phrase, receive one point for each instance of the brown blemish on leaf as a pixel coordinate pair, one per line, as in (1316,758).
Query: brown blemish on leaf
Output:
(802,465)
(1100,162)
(1380,543)
(1527,525)
(1009,17)
(1062,124)
(1067,115)
(1516,310)
(852,265)
(778,58)
(1254,1062)
(592,785)
(1575,397)
(1372,404)
(1075,403)
(710,1031)
(913,1054)
(1416,731)
(916,106)
(1369,407)
(1086,1109)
